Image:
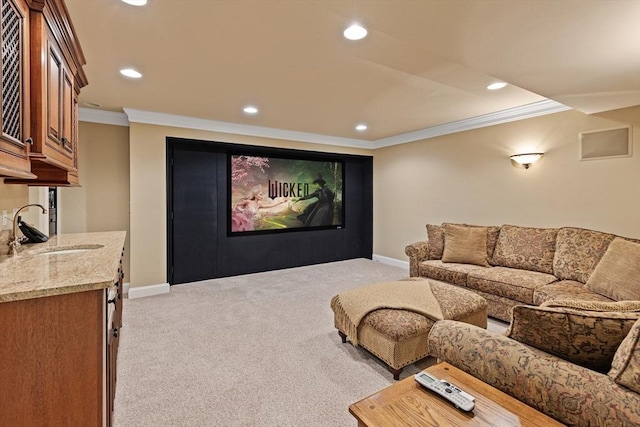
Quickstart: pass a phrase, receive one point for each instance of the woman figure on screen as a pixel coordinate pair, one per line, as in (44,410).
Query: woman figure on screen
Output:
(321,211)
(243,213)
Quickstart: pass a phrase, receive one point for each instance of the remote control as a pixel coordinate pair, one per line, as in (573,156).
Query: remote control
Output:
(453,394)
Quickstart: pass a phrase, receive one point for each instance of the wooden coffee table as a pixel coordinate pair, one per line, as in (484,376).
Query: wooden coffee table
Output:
(406,403)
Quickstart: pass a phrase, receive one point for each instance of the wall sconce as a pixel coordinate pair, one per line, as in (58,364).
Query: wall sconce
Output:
(527,159)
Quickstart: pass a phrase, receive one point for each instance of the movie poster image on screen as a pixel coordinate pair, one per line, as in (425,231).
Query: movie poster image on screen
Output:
(270,194)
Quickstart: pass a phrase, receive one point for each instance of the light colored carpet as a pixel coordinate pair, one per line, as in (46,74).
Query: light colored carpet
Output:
(252,350)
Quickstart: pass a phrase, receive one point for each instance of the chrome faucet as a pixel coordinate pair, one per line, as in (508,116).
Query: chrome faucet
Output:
(14,244)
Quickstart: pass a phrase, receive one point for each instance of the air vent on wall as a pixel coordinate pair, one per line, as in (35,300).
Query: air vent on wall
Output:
(605,143)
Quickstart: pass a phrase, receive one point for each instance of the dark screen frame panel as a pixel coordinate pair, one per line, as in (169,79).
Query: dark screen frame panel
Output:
(272,251)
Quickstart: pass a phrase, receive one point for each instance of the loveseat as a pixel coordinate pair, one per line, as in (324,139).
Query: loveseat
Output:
(595,382)
(511,265)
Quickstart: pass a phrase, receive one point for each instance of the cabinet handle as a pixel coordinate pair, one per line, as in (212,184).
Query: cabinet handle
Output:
(29,141)
(116,284)
(115,332)
(112,300)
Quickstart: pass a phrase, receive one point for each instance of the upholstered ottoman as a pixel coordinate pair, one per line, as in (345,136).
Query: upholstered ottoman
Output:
(399,336)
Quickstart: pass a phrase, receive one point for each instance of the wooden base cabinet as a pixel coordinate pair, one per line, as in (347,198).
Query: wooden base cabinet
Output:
(58,359)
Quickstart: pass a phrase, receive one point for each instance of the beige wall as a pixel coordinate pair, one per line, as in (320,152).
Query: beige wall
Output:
(468,177)
(464,177)
(12,196)
(148,191)
(102,202)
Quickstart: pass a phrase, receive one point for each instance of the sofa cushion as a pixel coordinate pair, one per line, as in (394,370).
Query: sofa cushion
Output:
(617,275)
(578,251)
(398,325)
(566,290)
(466,245)
(510,283)
(447,272)
(526,248)
(435,236)
(587,338)
(625,368)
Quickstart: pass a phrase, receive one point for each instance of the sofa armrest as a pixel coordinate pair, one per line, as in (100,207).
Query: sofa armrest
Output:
(567,392)
(417,252)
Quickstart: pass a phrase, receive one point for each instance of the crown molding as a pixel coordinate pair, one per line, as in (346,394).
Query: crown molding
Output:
(131,115)
(148,117)
(528,111)
(101,116)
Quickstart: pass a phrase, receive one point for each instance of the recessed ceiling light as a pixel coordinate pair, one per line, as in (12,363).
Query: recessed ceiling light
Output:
(355,32)
(496,86)
(130,72)
(136,2)
(361,127)
(250,109)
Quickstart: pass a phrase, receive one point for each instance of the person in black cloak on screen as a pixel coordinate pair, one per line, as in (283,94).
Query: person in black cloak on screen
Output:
(321,211)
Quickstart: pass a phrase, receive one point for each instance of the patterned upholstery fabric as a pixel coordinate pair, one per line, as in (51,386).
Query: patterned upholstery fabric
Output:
(398,324)
(417,252)
(578,252)
(564,290)
(511,283)
(447,272)
(619,306)
(572,394)
(526,248)
(625,369)
(435,236)
(586,338)
(498,307)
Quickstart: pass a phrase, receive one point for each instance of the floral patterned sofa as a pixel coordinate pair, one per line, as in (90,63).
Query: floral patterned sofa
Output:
(512,265)
(581,367)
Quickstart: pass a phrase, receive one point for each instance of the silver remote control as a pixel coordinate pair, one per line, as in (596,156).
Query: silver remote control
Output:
(453,394)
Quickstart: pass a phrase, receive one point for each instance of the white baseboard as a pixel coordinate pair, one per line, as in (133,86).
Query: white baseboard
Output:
(391,261)
(147,291)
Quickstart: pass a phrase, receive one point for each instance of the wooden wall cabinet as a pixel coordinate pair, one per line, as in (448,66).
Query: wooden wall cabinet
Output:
(58,357)
(14,90)
(55,79)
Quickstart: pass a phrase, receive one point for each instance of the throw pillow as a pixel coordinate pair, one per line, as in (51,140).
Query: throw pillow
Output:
(586,338)
(578,252)
(465,245)
(435,236)
(526,248)
(617,275)
(625,368)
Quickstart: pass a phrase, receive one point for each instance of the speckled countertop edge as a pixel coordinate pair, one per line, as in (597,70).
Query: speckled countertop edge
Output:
(38,271)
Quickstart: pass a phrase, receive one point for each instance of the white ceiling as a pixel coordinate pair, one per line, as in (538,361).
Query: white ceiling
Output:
(424,65)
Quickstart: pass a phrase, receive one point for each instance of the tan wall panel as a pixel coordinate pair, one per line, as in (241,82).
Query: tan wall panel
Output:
(12,196)
(468,177)
(102,202)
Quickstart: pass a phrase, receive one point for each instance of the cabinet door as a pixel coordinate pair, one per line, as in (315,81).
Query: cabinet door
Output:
(14,115)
